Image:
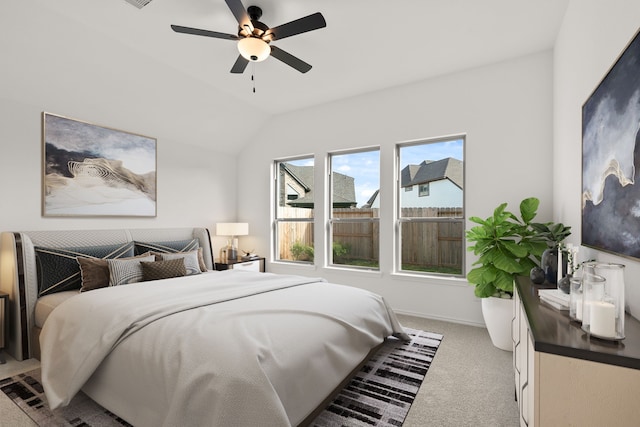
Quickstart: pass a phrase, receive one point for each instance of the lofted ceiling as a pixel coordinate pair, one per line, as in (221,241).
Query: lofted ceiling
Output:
(368,45)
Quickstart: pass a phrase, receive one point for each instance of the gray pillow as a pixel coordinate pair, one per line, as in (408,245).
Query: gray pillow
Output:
(190,260)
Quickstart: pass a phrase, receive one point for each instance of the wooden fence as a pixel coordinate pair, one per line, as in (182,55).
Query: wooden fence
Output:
(432,244)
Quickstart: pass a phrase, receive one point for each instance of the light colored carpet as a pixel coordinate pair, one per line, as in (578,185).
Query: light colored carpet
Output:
(469,383)
(10,414)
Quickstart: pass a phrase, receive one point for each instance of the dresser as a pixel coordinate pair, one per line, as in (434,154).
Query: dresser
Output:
(565,378)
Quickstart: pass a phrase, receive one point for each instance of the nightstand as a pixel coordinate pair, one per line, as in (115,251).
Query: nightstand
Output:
(253,265)
(4,323)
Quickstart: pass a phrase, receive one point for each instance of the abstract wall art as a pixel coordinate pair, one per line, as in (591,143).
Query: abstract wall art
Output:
(91,170)
(611,158)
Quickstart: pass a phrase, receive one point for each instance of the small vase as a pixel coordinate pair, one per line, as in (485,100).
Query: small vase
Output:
(549,264)
(565,284)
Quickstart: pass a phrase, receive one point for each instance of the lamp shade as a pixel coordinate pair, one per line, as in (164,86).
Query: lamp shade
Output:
(232,229)
(254,49)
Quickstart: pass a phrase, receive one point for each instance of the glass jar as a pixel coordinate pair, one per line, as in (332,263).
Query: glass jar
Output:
(575,299)
(603,300)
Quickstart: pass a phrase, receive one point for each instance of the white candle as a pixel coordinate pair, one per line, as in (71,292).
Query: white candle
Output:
(603,319)
(579,309)
(559,264)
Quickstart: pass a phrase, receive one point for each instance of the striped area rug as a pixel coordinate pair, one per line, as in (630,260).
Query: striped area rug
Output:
(382,392)
(379,395)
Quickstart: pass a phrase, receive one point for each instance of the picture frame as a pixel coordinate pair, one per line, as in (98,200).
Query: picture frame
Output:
(611,158)
(96,171)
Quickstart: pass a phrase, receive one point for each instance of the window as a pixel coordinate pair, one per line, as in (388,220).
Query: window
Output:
(293,225)
(431,229)
(355,200)
(292,194)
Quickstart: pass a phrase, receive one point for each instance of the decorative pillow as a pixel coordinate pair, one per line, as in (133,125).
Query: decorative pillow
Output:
(58,269)
(175,246)
(190,260)
(125,271)
(163,269)
(95,272)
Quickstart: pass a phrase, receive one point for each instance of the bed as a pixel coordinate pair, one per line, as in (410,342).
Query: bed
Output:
(208,348)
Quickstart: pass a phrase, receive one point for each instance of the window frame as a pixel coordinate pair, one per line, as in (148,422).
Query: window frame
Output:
(331,220)
(278,221)
(400,220)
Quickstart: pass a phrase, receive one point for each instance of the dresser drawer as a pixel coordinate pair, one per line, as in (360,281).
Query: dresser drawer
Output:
(247,265)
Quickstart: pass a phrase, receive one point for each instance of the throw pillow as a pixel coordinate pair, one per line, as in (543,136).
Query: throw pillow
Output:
(174,246)
(58,269)
(163,269)
(95,272)
(123,272)
(191,262)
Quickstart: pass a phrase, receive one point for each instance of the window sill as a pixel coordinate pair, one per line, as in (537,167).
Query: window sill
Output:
(433,279)
(361,272)
(274,265)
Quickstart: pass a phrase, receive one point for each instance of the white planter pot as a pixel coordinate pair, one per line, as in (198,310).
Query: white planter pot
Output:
(498,314)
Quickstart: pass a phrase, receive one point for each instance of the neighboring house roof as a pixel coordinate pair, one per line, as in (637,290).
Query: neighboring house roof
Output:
(344,191)
(425,172)
(429,171)
(371,200)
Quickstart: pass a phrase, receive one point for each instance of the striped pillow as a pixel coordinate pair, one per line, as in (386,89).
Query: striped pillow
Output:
(123,272)
(172,247)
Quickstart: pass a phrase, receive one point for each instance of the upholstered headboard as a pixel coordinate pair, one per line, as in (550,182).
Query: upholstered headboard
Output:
(19,277)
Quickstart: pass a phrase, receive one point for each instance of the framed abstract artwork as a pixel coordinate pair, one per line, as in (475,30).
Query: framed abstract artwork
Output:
(91,170)
(611,158)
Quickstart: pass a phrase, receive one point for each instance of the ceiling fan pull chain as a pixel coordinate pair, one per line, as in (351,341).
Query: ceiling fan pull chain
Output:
(253,72)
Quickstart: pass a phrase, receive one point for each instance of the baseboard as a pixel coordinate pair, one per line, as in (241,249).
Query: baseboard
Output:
(441,318)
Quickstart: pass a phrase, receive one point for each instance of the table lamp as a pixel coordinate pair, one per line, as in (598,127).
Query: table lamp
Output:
(232,230)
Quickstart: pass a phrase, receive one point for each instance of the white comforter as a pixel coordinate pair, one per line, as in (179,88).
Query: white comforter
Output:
(227,348)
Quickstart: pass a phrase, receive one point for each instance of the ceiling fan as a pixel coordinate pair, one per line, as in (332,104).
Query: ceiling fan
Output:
(254,37)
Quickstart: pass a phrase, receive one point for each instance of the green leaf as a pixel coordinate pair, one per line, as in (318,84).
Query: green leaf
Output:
(506,262)
(482,275)
(529,209)
(516,249)
(504,282)
(485,291)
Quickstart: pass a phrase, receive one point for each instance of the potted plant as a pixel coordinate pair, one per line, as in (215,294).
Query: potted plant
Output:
(507,246)
(554,234)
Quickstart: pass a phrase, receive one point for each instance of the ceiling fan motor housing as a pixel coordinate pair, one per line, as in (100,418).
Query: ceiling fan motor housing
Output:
(254,37)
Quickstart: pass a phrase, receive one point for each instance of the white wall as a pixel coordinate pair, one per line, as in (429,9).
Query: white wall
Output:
(506,112)
(593,35)
(72,72)
(194,188)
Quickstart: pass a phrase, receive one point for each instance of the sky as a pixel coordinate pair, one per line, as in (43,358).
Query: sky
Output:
(364,166)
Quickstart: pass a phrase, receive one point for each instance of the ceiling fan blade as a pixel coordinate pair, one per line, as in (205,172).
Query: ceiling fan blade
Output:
(240,12)
(206,33)
(240,65)
(299,26)
(289,59)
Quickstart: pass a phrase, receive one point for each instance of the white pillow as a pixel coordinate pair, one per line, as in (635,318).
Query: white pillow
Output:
(191,262)
(125,271)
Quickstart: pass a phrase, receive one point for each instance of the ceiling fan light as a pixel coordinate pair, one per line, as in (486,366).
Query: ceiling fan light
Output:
(254,49)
